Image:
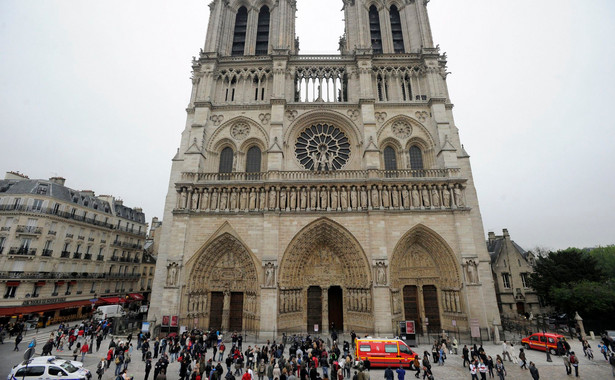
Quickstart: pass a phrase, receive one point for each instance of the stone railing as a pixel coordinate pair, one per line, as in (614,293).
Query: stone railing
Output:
(443,194)
(49,275)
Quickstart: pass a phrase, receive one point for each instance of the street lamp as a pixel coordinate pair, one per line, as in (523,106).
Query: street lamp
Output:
(543,320)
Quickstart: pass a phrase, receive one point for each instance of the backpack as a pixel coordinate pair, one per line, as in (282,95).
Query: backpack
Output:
(573,359)
(117,360)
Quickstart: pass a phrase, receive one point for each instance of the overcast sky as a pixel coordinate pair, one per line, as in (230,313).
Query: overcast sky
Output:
(96,91)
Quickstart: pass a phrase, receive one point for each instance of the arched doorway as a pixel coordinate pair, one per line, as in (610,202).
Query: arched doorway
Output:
(325,280)
(425,282)
(223,288)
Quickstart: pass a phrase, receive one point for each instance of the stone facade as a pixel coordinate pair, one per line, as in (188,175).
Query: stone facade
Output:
(321,191)
(61,247)
(511,266)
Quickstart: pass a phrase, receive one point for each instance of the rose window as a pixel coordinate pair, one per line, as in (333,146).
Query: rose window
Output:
(322,147)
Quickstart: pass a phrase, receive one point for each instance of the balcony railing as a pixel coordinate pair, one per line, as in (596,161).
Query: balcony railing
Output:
(81,237)
(77,255)
(90,239)
(20,251)
(5,229)
(69,236)
(87,256)
(52,233)
(52,275)
(100,258)
(47,252)
(320,176)
(65,254)
(29,230)
(51,211)
(114,258)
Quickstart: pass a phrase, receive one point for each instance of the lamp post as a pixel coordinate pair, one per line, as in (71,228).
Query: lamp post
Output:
(543,321)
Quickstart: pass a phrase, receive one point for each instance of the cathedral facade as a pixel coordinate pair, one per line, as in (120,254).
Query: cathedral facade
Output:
(313,192)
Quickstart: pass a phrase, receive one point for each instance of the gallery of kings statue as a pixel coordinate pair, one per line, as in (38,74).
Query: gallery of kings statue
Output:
(312,192)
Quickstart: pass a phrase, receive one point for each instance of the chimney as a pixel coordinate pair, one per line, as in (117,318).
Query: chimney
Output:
(506,234)
(137,209)
(119,202)
(15,175)
(58,180)
(89,193)
(491,237)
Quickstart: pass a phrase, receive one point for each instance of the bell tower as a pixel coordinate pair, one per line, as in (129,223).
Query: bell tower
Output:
(251,28)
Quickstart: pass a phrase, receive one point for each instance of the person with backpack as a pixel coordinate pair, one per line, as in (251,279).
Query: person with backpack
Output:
(575,363)
(522,358)
(567,365)
(499,369)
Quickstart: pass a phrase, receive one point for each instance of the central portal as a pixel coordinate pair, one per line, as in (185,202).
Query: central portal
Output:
(336,309)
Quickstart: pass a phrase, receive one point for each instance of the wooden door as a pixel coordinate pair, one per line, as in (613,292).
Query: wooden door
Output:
(236,312)
(215,310)
(314,308)
(432,309)
(411,306)
(336,308)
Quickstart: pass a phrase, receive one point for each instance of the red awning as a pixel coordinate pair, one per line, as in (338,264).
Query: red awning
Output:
(12,283)
(136,296)
(40,283)
(73,282)
(7,311)
(59,282)
(112,300)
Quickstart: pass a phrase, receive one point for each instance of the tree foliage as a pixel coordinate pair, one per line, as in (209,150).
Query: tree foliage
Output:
(586,297)
(606,259)
(564,280)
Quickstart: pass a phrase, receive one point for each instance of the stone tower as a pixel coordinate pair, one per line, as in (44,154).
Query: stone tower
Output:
(319,192)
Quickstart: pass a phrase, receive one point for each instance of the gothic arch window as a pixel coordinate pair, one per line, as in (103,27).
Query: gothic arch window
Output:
(374,29)
(262,33)
(390,158)
(398,37)
(239,36)
(416,158)
(226,160)
(253,160)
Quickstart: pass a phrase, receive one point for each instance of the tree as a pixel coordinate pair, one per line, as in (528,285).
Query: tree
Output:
(606,259)
(561,270)
(586,297)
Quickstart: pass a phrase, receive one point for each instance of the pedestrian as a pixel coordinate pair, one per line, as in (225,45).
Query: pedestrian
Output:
(84,350)
(522,358)
(534,371)
(162,375)
(18,339)
(76,350)
(100,368)
(490,366)
(465,354)
(401,373)
(119,363)
(567,365)
(482,369)
(612,362)
(427,372)
(455,345)
(505,352)
(417,366)
(575,363)
(474,370)
(513,353)
(500,370)
(148,368)
(388,374)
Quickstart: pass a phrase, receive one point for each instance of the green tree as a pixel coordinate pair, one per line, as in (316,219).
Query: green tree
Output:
(561,270)
(606,259)
(586,297)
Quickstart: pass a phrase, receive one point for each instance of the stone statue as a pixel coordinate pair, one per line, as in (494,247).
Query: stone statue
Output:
(252,199)
(205,200)
(269,275)
(324,201)
(313,199)
(363,197)
(386,199)
(233,205)
(172,275)
(446,197)
(405,197)
(195,200)
(283,199)
(435,196)
(334,198)
(303,199)
(381,275)
(353,198)
(183,199)
(214,199)
(262,199)
(416,198)
(223,199)
(273,198)
(472,272)
(426,201)
(459,197)
(243,199)
(375,196)
(395,196)
(396,308)
(293,199)
(344,199)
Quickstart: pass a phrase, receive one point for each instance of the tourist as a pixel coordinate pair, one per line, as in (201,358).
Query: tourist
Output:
(575,363)
(522,358)
(534,371)
(499,369)
(567,365)
(401,373)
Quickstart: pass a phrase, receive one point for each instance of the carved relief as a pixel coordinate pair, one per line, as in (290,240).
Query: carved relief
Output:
(265,118)
(217,119)
(401,129)
(240,131)
(269,269)
(422,116)
(380,270)
(471,270)
(172,274)
(380,117)
(291,115)
(354,114)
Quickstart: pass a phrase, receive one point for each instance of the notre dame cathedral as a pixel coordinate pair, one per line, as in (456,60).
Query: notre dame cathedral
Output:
(313,192)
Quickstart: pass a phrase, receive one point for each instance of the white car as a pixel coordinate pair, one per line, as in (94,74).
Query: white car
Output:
(49,367)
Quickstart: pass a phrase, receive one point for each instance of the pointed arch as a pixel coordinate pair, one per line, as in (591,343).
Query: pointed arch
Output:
(262,32)
(375,30)
(240,31)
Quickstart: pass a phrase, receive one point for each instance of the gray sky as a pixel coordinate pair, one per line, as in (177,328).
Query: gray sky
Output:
(96,92)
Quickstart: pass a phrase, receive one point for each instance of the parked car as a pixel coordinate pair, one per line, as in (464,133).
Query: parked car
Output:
(385,352)
(542,341)
(49,367)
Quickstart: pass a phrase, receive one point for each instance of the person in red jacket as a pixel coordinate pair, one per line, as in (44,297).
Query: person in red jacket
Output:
(246,375)
(84,350)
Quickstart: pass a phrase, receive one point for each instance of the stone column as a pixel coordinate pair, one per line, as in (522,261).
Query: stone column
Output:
(226,311)
(421,305)
(325,311)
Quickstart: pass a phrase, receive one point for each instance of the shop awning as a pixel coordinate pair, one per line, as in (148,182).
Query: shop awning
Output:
(7,311)
(12,283)
(136,296)
(40,283)
(112,300)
